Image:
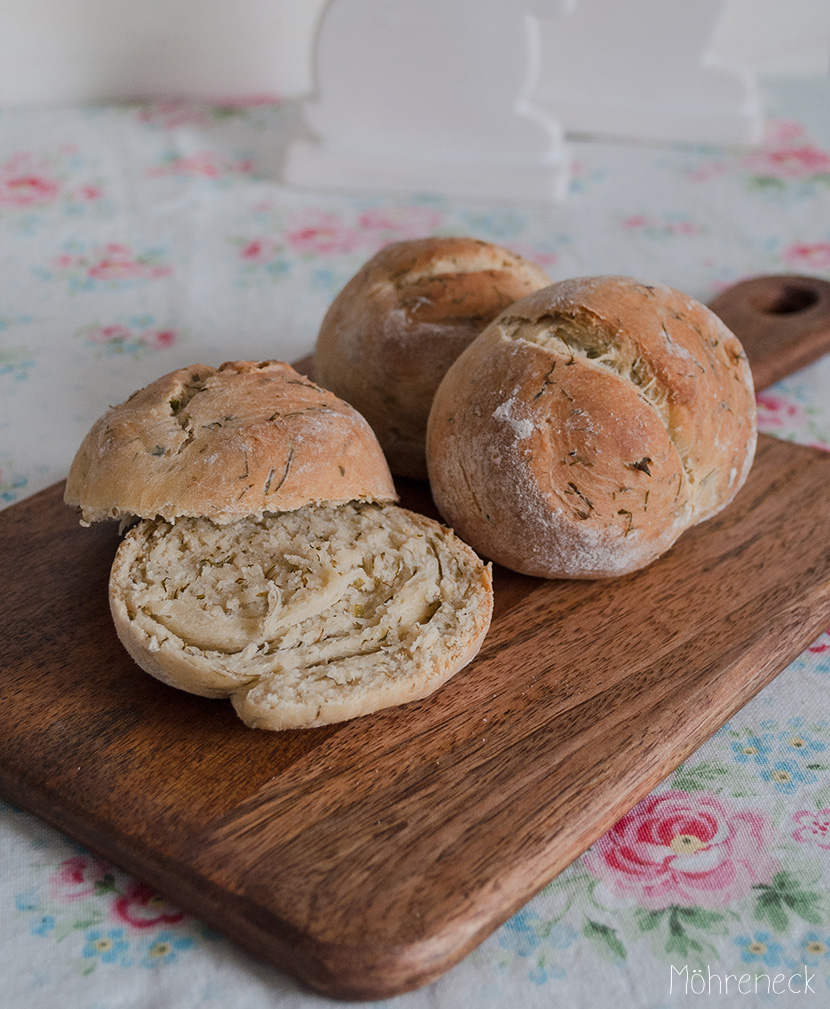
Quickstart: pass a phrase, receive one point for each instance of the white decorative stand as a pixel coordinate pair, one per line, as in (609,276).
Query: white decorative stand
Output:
(431,96)
(645,69)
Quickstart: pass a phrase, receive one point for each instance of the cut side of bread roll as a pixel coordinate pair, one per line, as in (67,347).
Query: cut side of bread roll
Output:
(302,618)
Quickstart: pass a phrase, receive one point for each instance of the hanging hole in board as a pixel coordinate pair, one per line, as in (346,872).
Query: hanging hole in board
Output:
(786,300)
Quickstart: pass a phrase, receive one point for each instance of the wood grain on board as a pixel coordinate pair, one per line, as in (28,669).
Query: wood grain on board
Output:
(366,858)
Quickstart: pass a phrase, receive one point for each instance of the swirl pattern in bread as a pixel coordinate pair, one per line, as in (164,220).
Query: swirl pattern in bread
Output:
(304,618)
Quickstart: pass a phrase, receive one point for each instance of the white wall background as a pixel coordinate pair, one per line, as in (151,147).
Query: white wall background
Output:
(60,51)
(57,51)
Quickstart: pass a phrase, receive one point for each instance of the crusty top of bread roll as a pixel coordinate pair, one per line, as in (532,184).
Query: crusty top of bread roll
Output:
(589,425)
(243,439)
(392,332)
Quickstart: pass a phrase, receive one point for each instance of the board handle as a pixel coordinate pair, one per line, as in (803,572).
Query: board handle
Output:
(783,322)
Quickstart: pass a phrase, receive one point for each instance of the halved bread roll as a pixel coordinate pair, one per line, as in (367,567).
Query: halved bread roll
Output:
(243,439)
(304,618)
(269,565)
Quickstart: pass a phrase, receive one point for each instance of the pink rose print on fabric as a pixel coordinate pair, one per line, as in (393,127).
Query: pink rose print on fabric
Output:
(323,234)
(170,114)
(664,226)
(32,181)
(88,193)
(685,849)
(397,224)
(137,335)
(112,266)
(788,158)
(781,132)
(279,245)
(26,190)
(202,164)
(119,262)
(29,179)
(808,255)
(259,250)
(813,827)
(77,877)
(108,334)
(787,155)
(798,162)
(142,907)
(822,646)
(776,413)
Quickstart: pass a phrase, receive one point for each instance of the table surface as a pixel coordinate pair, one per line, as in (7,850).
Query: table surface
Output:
(136,239)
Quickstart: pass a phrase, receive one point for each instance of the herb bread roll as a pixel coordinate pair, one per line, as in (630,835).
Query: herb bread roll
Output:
(223,443)
(589,426)
(268,564)
(392,332)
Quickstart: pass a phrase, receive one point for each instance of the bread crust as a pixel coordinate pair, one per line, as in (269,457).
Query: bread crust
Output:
(242,439)
(393,331)
(589,426)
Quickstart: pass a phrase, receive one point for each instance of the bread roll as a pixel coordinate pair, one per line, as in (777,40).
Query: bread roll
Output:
(589,426)
(267,565)
(244,439)
(305,618)
(395,328)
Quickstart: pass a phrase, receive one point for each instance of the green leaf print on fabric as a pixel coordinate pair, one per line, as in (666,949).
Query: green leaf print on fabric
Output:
(673,929)
(700,777)
(606,939)
(785,893)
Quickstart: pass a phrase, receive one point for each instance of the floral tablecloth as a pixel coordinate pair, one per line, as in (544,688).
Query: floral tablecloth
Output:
(135,239)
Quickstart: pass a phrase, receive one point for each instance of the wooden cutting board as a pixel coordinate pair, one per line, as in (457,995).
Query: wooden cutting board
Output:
(367,858)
